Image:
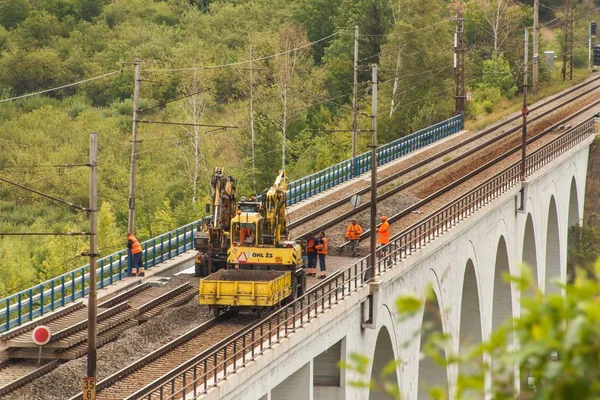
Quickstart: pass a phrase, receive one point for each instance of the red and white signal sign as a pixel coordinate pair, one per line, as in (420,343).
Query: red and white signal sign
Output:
(242,257)
(41,335)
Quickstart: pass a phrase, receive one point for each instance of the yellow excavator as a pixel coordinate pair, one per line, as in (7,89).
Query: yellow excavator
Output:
(260,258)
(211,239)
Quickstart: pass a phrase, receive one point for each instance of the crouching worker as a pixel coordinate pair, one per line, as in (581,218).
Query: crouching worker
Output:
(135,266)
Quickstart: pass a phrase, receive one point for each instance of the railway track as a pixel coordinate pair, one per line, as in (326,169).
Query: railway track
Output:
(478,147)
(69,331)
(125,383)
(455,184)
(170,357)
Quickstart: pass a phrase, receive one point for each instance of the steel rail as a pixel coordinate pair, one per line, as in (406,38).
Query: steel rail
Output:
(230,340)
(436,156)
(164,297)
(44,369)
(161,351)
(40,321)
(476,171)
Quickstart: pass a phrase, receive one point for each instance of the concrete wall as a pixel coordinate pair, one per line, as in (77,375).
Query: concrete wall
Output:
(463,268)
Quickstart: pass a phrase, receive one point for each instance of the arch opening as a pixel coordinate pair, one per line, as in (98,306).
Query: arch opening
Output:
(470,316)
(529,249)
(552,250)
(502,296)
(430,373)
(384,354)
(573,204)
(572,221)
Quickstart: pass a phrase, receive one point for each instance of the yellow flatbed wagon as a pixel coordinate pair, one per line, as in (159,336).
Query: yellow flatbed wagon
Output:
(260,290)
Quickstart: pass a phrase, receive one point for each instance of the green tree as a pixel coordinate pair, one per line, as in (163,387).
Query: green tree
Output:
(12,12)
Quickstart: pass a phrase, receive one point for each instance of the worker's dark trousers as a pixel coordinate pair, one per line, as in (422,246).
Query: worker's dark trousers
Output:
(322,262)
(312,260)
(136,262)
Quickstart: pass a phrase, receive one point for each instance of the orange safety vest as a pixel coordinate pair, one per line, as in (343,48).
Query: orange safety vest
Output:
(244,233)
(354,231)
(135,245)
(383,233)
(322,246)
(310,246)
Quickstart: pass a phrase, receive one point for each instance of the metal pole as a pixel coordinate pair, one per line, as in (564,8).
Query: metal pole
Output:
(91,353)
(136,95)
(459,66)
(536,32)
(589,47)
(355,100)
(373,235)
(524,111)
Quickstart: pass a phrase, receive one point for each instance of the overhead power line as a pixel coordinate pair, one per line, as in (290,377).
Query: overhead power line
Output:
(43,194)
(60,87)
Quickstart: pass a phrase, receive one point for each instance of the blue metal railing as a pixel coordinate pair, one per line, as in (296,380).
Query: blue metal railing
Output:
(329,177)
(61,290)
(56,292)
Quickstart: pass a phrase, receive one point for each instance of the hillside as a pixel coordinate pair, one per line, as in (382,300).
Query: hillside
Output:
(196,71)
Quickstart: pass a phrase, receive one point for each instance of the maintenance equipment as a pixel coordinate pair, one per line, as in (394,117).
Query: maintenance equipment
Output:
(258,243)
(211,239)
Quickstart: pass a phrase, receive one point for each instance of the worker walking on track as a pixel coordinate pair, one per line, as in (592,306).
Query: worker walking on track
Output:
(383,234)
(322,252)
(353,235)
(136,267)
(311,255)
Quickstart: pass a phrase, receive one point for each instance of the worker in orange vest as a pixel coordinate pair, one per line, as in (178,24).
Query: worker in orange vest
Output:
(245,233)
(136,267)
(321,247)
(383,233)
(311,255)
(353,235)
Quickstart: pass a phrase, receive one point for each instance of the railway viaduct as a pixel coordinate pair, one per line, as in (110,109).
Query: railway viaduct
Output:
(464,266)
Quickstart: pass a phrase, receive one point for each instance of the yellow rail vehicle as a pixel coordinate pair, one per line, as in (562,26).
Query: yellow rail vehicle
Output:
(260,290)
(258,245)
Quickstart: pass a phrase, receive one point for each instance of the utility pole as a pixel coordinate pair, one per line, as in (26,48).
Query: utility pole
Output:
(355,101)
(567,70)
(590,47)
(536,32)
(373,235)
(91,353)
(524,111)
(136,96)
(459,65)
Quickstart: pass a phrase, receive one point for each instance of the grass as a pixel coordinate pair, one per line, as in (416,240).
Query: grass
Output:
(509,106)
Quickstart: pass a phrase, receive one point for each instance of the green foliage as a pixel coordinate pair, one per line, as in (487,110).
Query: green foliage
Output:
(583,250)
(12,12)
(44,44)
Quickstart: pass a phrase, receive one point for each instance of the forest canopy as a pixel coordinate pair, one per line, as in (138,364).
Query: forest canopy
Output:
(298,98)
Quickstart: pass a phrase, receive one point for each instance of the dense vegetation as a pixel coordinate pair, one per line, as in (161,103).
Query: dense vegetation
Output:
(296,98)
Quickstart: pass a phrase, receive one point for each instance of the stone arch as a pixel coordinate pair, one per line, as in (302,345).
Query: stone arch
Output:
(384,354)
(529,248)
(430,373)
(470,314)
(552,249)
(502,295)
